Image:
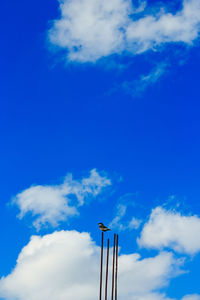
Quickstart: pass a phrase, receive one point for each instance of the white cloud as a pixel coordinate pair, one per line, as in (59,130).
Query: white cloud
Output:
(191,297)
(116,222)
(88,30)
(140,277)
(136,87)
(52,204)
(151,31)
(134,223)
(62,265)
(120,221)
(65,265)
(173,230)
(150,296)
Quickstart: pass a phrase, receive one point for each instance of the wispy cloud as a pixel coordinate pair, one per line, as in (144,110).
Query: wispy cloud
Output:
(89,30)
(138,86)
(120,221)
(191,297)
(51,204)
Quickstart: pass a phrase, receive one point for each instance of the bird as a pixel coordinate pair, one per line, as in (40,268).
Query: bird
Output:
(103,228)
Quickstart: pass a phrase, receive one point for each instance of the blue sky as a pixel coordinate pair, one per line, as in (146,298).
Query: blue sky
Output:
(109,93)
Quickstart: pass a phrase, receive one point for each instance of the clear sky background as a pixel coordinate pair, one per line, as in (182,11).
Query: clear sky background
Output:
(109,94)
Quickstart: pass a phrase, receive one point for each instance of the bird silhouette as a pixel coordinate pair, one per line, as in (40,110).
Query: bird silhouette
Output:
(103,228)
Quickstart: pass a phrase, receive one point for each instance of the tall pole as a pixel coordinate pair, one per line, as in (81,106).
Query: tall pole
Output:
(113,268)
(107,262)
(101,268)
(116,268)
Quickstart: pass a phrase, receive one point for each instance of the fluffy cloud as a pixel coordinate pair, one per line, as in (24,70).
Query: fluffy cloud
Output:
(55,203)
(151,31)
(91,29)
(171,229)
(88,30)
(140,277)
(65,265)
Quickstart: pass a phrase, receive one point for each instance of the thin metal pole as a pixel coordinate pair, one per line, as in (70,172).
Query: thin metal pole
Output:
(107,262)
(113,268)
(116,268)
(101,268)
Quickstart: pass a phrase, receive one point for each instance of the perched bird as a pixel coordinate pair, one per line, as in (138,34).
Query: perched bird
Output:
(103,228)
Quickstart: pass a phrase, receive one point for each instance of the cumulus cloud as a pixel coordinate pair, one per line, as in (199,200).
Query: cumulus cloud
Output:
(51,204)
(88,30)
(140,277)
(152,31)
(167,228)
(65,265)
